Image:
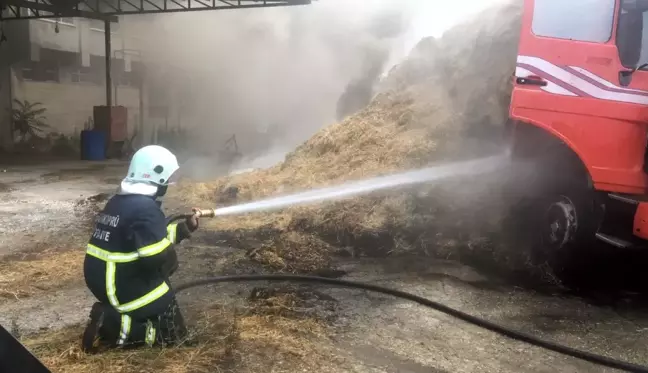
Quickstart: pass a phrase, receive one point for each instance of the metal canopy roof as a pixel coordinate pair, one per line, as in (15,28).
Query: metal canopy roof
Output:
(110,9)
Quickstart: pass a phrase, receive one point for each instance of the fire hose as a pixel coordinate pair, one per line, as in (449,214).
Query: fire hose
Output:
(482,323)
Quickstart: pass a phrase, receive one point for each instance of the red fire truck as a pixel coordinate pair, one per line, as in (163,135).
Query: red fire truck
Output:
(579,115)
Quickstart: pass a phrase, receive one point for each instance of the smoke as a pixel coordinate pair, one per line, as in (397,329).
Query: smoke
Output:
(273,77)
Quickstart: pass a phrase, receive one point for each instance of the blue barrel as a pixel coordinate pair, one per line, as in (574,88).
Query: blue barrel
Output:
(93,145)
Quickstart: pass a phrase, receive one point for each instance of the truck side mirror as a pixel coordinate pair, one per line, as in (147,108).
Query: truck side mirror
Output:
(629,38)
(635,5)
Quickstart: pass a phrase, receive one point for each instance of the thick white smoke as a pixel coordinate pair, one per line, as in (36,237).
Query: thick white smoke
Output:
(273,77)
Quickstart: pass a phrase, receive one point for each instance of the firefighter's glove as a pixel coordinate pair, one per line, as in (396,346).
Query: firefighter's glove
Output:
(193,222)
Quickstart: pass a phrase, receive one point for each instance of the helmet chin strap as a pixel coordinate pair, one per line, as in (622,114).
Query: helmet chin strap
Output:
(161,190)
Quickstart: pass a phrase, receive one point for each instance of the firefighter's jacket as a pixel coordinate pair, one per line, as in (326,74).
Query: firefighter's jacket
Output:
(131,252)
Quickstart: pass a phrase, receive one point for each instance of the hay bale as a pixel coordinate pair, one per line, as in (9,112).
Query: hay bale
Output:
(448,92)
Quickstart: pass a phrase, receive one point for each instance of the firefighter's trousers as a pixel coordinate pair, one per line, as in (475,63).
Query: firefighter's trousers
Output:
(158,323)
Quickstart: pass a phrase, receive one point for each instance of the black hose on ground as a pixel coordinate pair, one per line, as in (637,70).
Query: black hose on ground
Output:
(520,336)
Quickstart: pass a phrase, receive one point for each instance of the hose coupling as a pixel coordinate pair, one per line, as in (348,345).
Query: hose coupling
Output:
(205,213)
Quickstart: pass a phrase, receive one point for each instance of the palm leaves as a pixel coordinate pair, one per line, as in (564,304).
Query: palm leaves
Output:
(28,119)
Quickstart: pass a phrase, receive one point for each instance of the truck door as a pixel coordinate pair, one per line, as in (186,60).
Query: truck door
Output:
(573,79)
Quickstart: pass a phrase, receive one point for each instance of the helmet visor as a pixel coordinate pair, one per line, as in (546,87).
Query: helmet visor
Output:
(173,179)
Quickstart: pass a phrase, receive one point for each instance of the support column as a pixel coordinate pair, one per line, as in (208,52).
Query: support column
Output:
(143,139)
(108,55)
(107,37)
(6,97)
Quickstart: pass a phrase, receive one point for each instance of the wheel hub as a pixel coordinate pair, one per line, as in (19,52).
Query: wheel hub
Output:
(560,223)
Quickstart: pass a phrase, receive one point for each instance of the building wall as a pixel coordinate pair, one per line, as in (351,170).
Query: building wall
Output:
(77,35)
(69,100)
(70,105)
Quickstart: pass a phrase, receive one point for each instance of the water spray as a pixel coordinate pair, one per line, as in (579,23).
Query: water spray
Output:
(425,175)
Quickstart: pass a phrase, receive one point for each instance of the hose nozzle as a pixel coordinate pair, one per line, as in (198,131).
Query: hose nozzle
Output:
(205,213)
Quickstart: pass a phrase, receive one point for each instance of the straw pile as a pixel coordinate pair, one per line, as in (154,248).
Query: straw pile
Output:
(449,100)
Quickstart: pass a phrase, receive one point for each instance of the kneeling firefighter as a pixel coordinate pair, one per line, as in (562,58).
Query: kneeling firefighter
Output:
(130,258)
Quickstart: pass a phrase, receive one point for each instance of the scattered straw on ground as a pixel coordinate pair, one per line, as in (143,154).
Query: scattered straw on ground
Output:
(48,270)
(277,334)
(283,335)
(216,333)
(294,252)
(223,339)
(49,260)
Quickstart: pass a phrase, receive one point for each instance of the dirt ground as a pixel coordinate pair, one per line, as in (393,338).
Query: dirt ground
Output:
(43,210)
(40,201)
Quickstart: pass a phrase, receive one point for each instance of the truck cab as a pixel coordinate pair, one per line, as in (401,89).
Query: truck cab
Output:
(579,114)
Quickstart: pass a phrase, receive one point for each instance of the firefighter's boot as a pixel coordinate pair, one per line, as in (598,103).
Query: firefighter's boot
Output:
(92,334)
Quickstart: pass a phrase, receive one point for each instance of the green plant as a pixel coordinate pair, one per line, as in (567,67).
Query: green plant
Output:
(28,119)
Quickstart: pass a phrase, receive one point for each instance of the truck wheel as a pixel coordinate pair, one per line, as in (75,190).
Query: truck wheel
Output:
(560,224)
(555,218)
(566,227)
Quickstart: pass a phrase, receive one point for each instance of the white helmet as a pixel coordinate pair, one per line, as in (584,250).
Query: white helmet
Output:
(152,164)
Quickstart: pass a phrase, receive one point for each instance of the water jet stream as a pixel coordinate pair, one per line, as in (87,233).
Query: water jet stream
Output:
(429,174)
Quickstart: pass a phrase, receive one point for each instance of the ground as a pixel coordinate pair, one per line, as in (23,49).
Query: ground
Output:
(44,212)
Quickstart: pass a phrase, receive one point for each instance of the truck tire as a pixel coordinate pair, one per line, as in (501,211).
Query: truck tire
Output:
(568,224)
(554,217)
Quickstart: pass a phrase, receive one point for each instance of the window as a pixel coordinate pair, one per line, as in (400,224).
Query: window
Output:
(121,76)
(40,72)
(73,72)
(66,21)
(85,75)
(98,25)
(127,79)
(582,20)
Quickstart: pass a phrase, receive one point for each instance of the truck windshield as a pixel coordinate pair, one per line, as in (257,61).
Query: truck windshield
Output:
(555,19)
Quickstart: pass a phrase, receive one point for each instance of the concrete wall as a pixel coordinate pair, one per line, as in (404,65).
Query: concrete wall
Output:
(70,105)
